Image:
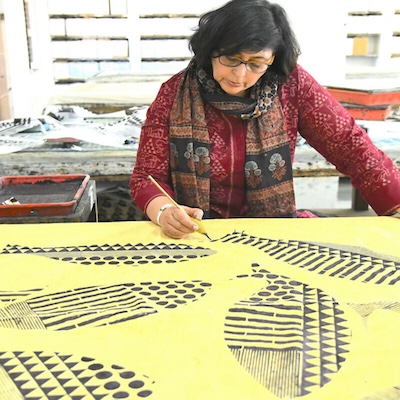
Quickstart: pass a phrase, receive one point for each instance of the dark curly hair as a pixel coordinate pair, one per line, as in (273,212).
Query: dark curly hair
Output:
(247,26)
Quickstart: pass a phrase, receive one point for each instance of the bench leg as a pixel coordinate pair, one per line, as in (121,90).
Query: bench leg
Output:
(357,202)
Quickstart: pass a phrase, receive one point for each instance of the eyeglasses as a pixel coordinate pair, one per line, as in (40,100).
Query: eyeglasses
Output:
(251,66)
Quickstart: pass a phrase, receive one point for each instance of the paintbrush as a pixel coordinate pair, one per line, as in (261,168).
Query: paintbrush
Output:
(199,223)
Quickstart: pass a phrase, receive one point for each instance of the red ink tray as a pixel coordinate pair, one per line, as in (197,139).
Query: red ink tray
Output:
(372,97)
(371,113)
(41,195)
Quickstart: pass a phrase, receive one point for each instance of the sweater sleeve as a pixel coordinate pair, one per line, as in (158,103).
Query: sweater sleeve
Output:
(153,151)
(332,131)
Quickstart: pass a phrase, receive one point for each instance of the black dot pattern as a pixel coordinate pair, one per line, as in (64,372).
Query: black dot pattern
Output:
(118,255)
(278,287)
(119,382)
(171,294)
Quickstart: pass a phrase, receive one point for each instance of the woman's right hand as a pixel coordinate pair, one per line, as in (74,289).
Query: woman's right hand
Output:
(174,222)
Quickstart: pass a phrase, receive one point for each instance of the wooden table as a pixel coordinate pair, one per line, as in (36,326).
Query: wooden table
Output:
(268,309)
(117,165)
(120,163)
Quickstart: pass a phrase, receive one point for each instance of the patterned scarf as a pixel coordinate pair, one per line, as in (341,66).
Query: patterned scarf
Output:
(268,167)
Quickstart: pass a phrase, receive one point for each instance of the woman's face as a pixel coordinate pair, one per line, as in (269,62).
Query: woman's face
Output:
(236,80)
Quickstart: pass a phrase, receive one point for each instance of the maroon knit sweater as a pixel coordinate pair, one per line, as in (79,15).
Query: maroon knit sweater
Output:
(309,110)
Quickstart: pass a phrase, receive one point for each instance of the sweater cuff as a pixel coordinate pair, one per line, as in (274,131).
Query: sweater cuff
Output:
(385,200)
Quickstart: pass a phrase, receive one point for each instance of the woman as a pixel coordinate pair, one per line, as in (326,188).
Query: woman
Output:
(220,136)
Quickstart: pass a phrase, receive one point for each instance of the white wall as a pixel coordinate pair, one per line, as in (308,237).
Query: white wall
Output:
(30,87)
(319,28)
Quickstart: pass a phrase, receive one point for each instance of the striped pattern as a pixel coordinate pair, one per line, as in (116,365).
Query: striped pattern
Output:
(290,337)
(257,362)
(20,316)
(273,326)
(99,305)
(10,296)
(95,306)
(365,309)
(338,262)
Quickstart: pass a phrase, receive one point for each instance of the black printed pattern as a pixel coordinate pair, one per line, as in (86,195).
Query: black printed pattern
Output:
(323,259)
(116,254)
(99,305)
(46,375)
(290,337)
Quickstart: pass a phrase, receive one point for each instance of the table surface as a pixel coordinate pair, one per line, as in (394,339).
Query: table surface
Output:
(266,309)
(98,161)
(114,163)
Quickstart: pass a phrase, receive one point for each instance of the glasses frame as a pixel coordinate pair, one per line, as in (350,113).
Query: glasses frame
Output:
(246,63)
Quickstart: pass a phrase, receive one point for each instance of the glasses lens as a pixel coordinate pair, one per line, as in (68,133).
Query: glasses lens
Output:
(257,68)
(229,61)
(232,62)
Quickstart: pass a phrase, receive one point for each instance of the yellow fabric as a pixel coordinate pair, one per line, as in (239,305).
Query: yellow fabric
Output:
(146,316)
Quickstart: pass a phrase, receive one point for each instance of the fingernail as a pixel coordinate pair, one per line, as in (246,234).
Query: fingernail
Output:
(195,227)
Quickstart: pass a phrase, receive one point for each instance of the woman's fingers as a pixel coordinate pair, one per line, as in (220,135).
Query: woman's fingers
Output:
(196,213)
(176,223)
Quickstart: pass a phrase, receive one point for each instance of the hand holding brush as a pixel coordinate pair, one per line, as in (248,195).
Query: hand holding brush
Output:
(198,222)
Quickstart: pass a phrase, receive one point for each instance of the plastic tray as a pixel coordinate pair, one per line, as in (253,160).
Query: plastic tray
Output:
(41,195)
(366,97)
(371,113)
